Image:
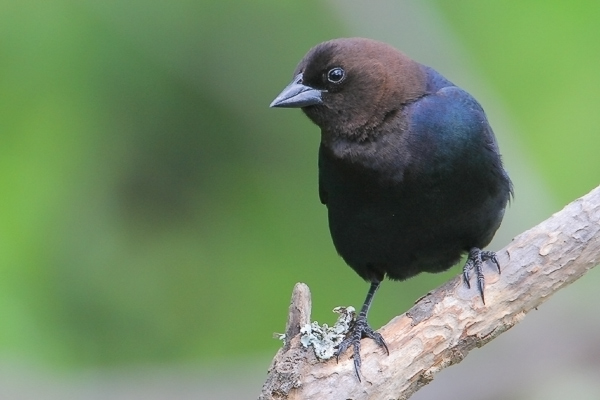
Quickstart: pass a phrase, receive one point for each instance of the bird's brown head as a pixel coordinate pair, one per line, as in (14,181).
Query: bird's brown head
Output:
(350,86)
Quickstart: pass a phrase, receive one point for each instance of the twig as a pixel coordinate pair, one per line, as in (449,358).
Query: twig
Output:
(448,322)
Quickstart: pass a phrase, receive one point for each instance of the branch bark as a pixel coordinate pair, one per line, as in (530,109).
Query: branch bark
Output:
(443,326)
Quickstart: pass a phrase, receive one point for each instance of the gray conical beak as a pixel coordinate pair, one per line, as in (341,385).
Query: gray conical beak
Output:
(297,95)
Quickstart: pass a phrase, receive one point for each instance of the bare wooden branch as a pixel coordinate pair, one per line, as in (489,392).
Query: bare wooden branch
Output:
(447,323)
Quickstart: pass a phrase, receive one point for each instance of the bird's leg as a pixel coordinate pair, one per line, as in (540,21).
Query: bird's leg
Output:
(361,329)
(475,262)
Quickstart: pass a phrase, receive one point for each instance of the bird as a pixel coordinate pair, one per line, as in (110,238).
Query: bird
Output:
(409,167)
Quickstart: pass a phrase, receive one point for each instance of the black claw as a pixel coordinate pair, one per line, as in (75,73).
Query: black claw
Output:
(359,330)
(380,342)
(490,255)
(342,347)
(468,266)
(480,286)
(357,361)
(475,262)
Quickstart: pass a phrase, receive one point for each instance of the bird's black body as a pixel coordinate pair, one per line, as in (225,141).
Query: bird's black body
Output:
(409,168)
(422,192)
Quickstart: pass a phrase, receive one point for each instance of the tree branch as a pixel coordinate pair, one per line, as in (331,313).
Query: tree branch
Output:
(448,322)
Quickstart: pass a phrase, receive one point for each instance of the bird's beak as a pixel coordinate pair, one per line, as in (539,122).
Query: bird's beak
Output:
(297,95)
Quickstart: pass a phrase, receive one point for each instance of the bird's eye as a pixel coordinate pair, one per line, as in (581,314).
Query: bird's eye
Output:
(336,75)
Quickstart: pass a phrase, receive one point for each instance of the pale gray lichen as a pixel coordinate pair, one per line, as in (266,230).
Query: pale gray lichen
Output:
(325,339)
(280,336)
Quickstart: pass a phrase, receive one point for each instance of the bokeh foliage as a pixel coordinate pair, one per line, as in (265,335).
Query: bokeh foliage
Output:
(154,209)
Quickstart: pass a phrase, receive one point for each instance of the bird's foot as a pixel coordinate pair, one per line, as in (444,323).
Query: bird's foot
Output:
(360,329)
(475,262)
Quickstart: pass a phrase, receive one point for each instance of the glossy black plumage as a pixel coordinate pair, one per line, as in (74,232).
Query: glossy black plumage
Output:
(409,168)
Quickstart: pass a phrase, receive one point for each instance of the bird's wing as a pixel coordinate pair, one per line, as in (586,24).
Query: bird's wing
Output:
(450,124)
(450,129)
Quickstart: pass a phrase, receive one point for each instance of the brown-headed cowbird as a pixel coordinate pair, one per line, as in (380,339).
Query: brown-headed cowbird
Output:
(409,168)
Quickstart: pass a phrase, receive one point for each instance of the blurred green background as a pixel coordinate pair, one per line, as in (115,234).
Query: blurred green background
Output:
(155,211)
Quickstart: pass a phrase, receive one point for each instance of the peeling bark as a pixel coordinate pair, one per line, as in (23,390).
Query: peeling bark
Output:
(448,322)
